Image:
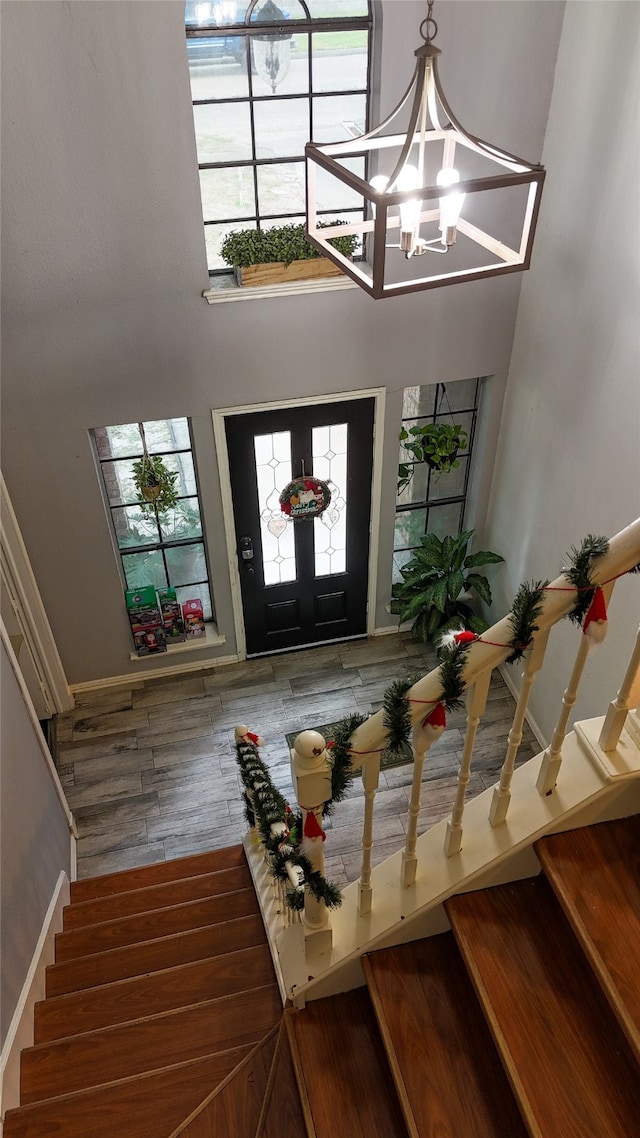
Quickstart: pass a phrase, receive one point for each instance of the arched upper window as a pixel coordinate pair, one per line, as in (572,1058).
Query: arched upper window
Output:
(265,80)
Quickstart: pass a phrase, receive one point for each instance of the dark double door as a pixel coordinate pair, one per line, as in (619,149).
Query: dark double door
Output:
(303,582)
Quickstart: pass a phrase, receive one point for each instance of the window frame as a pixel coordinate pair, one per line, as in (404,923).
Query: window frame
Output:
(246,30)
(163,544)
(430,503)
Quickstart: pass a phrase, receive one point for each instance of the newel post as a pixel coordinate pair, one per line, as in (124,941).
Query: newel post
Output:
(311,774)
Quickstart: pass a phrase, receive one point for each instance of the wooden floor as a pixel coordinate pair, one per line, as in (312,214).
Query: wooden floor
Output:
(150,774)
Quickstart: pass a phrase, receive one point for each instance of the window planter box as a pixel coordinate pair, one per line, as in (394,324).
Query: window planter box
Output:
(276,272)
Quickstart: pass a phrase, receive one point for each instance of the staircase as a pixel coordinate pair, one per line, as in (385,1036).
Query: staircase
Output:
(524,1020)
(162,997)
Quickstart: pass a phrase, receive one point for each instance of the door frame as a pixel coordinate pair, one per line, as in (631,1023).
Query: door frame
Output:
(219,416)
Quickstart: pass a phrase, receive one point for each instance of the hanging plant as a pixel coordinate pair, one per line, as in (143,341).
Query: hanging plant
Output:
(437,444)
(155,484)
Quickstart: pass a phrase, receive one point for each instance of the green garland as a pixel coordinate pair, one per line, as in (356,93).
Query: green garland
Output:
(579,573)
(397,708)
(340,760)
(264,807)
(525,610)
(397,712)
(453,658)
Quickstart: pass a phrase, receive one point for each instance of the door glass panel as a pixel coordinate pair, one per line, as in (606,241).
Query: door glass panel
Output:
(273,469)
(329,452)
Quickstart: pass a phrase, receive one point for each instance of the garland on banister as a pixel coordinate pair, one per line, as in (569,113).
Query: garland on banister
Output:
(280,830)
(525,610)
(397,702)
(579,574)
(340,760)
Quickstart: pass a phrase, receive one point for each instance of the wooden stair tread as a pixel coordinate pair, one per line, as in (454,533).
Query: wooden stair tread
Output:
(568,1062)
(447,1071)
(158,896)
(141,1106)
(159,991)
(142,876)
(81,1061)
(120,931)
(233,1109)
(595,873)
(346,1080)
(150,956)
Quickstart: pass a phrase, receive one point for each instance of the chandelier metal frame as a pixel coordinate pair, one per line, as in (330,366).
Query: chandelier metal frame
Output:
(430,121)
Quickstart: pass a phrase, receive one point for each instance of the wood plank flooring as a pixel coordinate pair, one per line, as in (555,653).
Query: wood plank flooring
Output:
(150,774)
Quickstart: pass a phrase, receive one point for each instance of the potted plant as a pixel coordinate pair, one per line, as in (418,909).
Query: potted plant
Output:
(280,254)
(433,583)
(437,444)
(155,484)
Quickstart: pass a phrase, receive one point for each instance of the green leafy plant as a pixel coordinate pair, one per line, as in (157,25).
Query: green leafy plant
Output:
(433,581)
(283,243)
(155,484)
(437,444)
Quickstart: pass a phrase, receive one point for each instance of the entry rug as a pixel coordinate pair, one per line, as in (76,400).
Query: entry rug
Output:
(390,758)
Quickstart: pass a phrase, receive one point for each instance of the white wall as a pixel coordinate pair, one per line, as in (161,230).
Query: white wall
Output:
(568,463)
(104,264)
(36,842)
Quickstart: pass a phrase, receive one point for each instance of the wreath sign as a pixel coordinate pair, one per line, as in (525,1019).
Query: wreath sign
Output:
(305,497)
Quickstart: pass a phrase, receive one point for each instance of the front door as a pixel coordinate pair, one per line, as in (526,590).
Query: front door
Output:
(303,581)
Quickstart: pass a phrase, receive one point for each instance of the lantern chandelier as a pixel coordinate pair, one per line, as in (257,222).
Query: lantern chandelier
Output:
(434,189)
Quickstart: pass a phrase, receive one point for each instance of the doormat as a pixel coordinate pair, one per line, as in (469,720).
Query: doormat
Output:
(392,757)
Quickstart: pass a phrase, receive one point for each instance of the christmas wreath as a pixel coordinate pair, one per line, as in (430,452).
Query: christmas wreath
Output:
(305,497)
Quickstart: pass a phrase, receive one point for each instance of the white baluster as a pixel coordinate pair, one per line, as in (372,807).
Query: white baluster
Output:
(423,737)
(552,758)
(476,703)
(370,779)
(628,697)
(502,792)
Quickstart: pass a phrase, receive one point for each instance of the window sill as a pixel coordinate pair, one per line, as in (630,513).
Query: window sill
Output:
(211,639)
(225,289)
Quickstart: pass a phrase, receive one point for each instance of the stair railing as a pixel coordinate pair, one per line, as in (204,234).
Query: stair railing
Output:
(482,658)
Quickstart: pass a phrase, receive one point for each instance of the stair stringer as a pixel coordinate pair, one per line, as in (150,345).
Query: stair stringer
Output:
(592,787)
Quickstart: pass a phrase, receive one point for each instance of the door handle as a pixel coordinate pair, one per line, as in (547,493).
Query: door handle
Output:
(245,546)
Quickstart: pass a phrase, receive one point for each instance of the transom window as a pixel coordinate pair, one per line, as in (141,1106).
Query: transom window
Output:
(265,80)
(161,548)
(434,502)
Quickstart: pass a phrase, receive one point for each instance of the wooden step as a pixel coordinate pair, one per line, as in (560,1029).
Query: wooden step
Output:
(447,1072)
(151,956)
(143,1106)
(160,991)
(81,1061)
(159,896)
(157,923)
(595,873)
(343,1077)
(141,877)
(233,1109)
(567,1059)
(281,1109)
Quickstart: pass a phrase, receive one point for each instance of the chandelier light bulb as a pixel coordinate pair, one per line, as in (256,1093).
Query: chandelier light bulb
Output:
(450,204)
(379,183)
(409,179)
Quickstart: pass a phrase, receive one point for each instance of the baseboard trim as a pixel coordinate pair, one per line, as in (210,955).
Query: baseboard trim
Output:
(20,1033)
(513,688)
(173,670)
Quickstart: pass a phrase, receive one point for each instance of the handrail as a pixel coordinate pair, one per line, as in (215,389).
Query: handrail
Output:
(559,598)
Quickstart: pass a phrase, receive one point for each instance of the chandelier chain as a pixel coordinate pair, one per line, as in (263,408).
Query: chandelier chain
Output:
(428,27)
